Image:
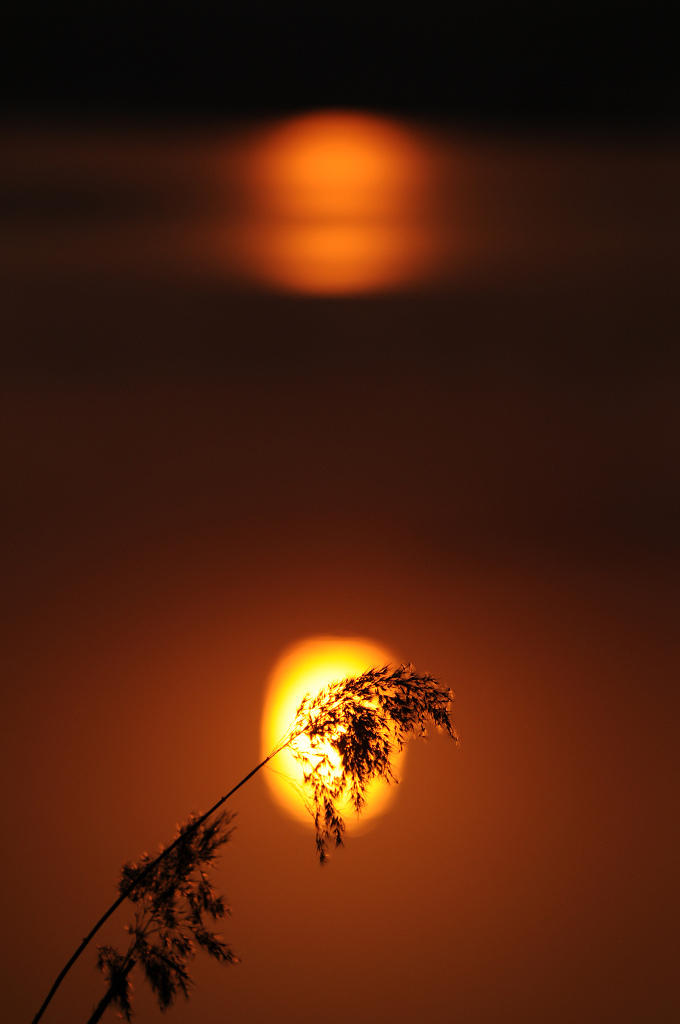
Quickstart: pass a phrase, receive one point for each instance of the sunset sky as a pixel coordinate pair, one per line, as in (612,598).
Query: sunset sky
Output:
(338,371)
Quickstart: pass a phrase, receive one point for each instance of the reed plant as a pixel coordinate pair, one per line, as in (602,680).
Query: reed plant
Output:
(343,738)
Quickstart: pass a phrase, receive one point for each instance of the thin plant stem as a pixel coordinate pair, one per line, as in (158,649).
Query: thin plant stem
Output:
(142,875)
(363,718)
(106,1000)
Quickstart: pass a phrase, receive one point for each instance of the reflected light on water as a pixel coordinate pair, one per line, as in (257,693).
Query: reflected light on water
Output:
(337,203)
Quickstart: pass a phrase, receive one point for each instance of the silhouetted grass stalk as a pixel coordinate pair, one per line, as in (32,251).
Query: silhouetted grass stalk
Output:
(343,738)
(138,880)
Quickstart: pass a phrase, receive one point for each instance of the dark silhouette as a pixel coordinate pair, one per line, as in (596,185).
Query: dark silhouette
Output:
(125,894)
(170,905)
(343,738)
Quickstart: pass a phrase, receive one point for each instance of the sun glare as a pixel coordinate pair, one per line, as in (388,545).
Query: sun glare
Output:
(303,668)
(339,203)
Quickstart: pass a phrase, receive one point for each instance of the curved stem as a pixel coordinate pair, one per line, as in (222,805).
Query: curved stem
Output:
(140,877)
(106,999)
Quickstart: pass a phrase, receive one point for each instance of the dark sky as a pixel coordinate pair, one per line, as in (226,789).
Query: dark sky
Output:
(603,61)
(477,470)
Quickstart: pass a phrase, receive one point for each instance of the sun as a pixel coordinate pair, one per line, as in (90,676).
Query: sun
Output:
(338,203)
(305,667)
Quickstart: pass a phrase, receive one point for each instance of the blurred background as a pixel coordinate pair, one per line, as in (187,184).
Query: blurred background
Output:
(354,323)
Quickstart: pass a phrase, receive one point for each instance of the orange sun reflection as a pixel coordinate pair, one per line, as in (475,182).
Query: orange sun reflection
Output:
(303,668)
(338,203)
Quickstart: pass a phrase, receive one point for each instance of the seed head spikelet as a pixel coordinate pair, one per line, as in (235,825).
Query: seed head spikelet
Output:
(343,738)
(347,734)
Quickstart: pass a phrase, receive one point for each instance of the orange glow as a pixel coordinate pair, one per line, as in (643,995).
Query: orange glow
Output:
(339,203)
(306,667)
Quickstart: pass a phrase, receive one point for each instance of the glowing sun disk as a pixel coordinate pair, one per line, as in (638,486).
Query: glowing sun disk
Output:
(304,668)
(339,203)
